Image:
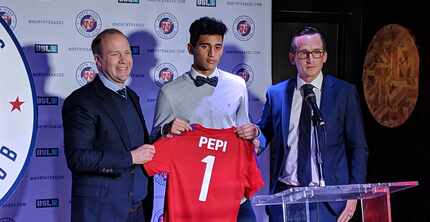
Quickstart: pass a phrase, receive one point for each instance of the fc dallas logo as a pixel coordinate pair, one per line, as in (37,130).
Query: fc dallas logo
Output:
(18,113)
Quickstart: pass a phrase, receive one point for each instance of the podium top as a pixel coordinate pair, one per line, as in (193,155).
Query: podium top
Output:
(332,193)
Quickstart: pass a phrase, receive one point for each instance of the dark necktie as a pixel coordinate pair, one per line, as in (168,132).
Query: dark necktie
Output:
(122,92)
(304,174)
(200,80)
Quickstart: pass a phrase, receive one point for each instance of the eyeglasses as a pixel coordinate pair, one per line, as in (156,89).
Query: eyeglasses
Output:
(316,53)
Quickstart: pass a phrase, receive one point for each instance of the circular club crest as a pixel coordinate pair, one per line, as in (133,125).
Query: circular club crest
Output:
(391,75)
(243,28)
(164,73)
(86,72)
(8,16)
(166,26)
(245,71)
(158,216)
(18,113)
(88,23)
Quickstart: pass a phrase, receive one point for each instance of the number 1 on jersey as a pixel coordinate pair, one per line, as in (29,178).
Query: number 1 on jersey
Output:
(209,160)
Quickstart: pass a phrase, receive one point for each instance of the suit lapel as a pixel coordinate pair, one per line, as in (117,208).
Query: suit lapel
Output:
(135,100)
(112,111)
(286,111)
(327,96)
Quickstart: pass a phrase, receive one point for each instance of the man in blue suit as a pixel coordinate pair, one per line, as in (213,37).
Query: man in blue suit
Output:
(105,140)
(283,124)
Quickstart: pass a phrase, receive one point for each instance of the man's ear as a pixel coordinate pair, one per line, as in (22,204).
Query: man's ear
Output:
(97,59)
(291,57)
(190,49)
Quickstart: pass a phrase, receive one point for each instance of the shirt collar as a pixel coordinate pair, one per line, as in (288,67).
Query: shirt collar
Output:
(317,82)
(111,85)
(195,73)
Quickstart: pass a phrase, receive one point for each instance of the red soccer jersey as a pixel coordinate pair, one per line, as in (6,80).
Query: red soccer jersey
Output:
(209,171)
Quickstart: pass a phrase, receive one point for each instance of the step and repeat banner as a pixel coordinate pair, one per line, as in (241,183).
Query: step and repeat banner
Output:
(55,38)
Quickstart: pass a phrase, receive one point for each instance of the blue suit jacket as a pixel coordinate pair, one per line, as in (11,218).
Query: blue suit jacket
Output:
(345,154)
(97,148)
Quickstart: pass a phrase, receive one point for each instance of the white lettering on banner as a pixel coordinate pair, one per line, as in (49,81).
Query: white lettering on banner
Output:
(213,144)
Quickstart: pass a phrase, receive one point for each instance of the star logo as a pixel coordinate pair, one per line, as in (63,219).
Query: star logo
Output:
(16,104)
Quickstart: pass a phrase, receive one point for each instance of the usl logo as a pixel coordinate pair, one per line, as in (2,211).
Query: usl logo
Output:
(206,3)
(19,120)
(47,152)
(46,48)
(135,50)
(129,1)
(47,100)
(47,203)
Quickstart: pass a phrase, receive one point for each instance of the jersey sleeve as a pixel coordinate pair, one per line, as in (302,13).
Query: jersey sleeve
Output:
(253,179)
(162,157)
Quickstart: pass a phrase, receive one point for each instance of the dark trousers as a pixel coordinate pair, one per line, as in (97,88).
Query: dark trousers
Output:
(318,212)
(246,213)
(140,213)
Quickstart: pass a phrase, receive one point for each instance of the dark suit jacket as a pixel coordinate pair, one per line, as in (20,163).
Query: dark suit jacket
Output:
(97,148)
(345,154)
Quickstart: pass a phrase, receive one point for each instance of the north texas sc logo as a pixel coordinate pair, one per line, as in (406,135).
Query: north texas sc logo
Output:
(164,73)
(166,26)
(18,113)
(88,23)
(243,28)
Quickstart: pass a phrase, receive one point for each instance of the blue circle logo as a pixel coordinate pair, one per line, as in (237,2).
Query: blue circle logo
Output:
(166,26)
(88,23)
(243,28)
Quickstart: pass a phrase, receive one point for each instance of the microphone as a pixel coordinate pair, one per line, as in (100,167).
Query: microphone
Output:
(310,98)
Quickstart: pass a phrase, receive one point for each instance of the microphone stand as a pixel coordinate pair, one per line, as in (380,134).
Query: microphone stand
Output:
(320,141)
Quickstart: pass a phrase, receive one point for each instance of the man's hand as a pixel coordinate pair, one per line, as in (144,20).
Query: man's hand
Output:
(256,143)
(177,127)
(247,131)
(348,212)
(143,154)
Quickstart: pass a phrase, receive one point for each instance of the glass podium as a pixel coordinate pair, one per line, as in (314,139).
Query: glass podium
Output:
(374,197)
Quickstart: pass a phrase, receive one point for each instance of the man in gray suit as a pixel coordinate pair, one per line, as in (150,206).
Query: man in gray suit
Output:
(205,95)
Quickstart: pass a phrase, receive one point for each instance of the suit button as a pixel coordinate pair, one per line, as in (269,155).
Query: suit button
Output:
(130,194)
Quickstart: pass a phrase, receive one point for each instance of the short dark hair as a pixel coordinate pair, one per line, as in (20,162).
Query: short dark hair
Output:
(307,30)
(95,45)
(206,26)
